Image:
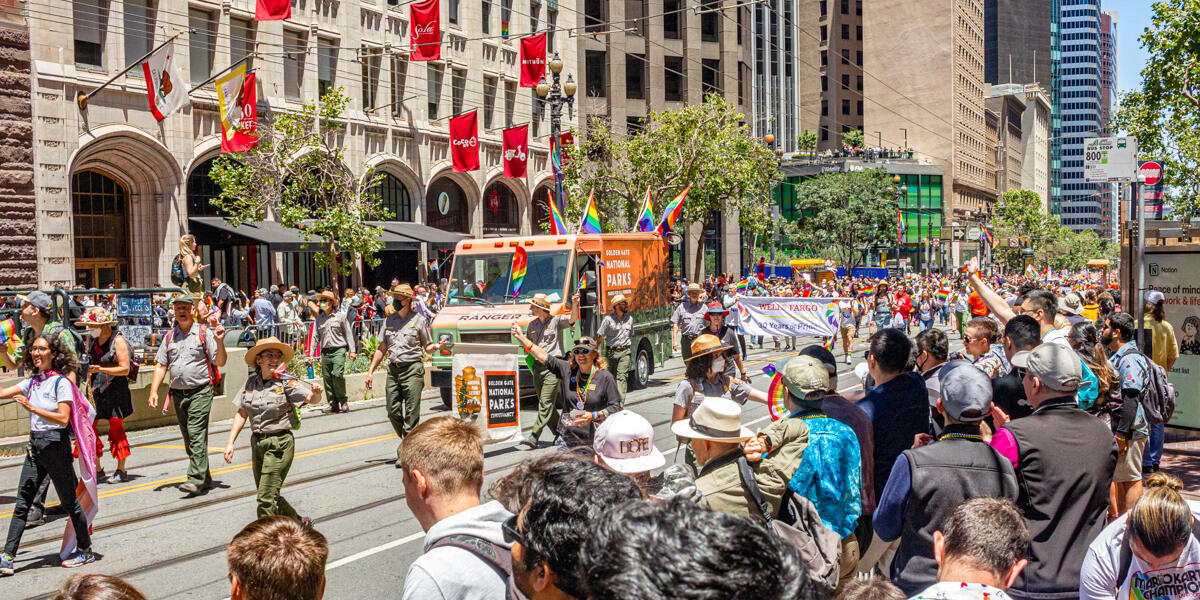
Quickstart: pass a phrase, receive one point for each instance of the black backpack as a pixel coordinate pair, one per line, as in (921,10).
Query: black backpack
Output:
(178,274)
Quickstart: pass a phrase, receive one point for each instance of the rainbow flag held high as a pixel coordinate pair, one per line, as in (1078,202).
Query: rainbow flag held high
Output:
(899,223)
(829,344)
(557,226)
(8,336)
(943,295)
(671,214)
(743,285)
(1030,271)
(583,282)
(519,263)
(865,293)
(645,222)
(591,219)
(991,240)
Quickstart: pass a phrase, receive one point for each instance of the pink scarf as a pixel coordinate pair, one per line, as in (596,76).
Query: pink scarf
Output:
(82,415)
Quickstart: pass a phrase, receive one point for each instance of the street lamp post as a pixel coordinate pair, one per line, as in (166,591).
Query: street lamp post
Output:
(902,189)
(770,141)
(556,94)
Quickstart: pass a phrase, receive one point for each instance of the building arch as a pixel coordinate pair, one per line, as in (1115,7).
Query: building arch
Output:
(539,210)
(391,166)
(504,206)
(467,219)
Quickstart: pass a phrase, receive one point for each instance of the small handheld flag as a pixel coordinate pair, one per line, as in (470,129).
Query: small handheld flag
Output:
(583,282)
(943,295)
(865,293)
(557,225)
(987,235)
(671,214)
(591,219)
(519,262)
(645,222)
(8,336)
(743,285)
(1030,271)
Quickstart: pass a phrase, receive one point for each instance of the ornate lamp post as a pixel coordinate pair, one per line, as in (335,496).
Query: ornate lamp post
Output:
(901,190)
(556,94)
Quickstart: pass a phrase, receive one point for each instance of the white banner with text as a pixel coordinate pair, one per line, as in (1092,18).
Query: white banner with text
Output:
(813,317)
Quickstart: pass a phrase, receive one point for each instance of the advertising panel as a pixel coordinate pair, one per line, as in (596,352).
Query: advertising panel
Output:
(485,389)
(1174,274)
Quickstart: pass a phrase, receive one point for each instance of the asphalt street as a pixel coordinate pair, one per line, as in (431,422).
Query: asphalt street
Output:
(343,476)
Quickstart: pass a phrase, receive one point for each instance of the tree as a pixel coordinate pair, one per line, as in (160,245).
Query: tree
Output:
(296,174)
(1165,114)
(1020,214)
(707,146)
(853,139)
(807,142)
(846,215)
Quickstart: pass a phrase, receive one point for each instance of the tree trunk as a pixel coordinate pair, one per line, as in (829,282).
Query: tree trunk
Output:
(698,269)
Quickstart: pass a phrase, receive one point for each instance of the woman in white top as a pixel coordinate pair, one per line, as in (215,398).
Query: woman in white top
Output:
(1152,551)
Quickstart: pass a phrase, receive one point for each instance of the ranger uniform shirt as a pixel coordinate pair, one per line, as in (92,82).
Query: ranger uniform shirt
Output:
(547,334)
(617,333)
(689,316)
(335,331)
(186,357)
(268,404)
(406,337)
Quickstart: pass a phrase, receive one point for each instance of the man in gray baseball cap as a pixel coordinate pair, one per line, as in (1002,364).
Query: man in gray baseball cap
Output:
(927,483)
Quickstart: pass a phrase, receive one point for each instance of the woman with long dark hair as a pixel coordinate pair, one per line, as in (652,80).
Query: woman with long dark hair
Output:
(49,397)
(883,305)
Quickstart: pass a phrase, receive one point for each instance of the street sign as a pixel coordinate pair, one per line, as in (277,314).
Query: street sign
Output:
(973,234)
(1013,242)
(936,242)
(958,233)
(1109,159)
(1151,173)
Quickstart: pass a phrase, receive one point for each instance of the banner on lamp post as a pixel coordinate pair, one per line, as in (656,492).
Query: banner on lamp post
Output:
(516,141)
(236,102)
(533,59)
(425,31)
(464,142)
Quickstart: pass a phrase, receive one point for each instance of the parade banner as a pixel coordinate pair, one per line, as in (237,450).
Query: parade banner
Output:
(1175,275)
(236,103)
(516,142)
(165,87)
(812,317)
(425,31)
(486,389)
(464,142)
(566,140)
(272,10)
(533,59)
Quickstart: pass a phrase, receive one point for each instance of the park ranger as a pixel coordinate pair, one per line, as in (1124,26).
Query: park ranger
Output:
(336,337)
(269,402)
(617,330)
(546,331)
(687,321)
(405,341)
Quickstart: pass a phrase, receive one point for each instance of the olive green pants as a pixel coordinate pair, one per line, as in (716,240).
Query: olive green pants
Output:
(545,385)
(272,460)
(333,374)
(619,363)
(192,408)
(405,381)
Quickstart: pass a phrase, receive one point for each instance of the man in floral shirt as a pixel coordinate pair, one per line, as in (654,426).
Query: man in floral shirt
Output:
(1131,428)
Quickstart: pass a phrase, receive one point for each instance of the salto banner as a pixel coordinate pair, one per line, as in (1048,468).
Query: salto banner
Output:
(485,389)
(816,317)
(1174,274)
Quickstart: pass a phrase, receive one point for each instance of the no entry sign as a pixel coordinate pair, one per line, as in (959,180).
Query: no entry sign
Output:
(1151,172)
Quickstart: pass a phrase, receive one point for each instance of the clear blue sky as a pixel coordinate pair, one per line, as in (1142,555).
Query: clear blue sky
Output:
(1133,17)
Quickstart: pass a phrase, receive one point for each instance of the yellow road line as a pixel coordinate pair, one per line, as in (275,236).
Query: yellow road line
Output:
(230,469)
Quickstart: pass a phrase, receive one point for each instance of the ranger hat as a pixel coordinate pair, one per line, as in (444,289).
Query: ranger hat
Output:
(619,298)
(269,343)
(403,290)
(706,343)
(717,419)
(539,300)
(693,287)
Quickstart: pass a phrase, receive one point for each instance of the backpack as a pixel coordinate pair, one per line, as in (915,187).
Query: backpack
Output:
(799,524)
(1089,387)
(178,274)
(1158,397)
(497,557)
(214,376)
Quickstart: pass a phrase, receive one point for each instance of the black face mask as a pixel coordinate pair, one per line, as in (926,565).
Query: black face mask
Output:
(397,303)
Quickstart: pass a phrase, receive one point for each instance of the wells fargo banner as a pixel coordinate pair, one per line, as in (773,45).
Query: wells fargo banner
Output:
(485,389)
(1173,272)
(813,317)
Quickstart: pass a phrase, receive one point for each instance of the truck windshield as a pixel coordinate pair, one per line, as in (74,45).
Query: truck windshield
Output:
(487,278)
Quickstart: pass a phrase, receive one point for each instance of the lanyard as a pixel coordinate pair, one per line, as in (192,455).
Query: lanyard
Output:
(581,393)
(964,436)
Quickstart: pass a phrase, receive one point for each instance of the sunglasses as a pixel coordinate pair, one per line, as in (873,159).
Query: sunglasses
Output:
(968,340)
(511,534)
(580,351)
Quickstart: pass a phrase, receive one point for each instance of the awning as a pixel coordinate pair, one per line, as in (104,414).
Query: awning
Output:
(1097,263)
(282,239)
(422,233)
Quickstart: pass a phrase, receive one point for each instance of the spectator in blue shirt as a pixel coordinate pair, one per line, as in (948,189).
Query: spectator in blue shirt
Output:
(1130,429)
(898,405)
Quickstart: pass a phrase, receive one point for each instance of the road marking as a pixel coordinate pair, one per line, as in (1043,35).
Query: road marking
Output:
(169,447)
(371,551)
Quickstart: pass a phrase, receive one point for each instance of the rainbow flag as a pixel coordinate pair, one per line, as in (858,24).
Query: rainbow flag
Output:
(8,336)
(987,235)
(865,293)
(899,223)
(504,29)
(519,262)
(583,282)
(672,212)
(943,295)
(591,219)
(556,163)
(645,222)
(1030,271)
(743,285)
(557,227)
(829,344)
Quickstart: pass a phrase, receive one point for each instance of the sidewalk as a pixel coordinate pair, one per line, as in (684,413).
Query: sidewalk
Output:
(1181,458)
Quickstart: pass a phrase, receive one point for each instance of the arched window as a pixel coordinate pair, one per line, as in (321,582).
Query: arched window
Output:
(500,210)
(201,190)
(99,207)
(541,211)
(393,195)
(446,206)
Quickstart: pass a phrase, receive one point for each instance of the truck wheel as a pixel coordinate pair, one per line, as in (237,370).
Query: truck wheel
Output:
(446,397)
(643,365)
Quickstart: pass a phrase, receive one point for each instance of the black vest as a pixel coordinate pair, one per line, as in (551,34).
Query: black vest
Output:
(943,475)
(1065,467)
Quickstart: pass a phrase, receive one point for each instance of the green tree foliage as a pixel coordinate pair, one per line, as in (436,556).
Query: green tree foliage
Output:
(296,174)
(1164,114)
(1020,214)
(807,142)
(854,139)
(707,146)
(846,215)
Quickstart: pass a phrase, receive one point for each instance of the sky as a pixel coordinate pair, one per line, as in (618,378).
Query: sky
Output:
(1133,17)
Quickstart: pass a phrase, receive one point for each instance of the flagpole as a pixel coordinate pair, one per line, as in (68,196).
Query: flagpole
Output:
(81,99)
(221,72)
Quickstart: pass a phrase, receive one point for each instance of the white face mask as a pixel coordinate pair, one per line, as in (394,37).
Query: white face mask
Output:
(718,364)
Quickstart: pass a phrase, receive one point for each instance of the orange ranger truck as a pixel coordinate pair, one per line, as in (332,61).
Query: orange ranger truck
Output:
(480,307)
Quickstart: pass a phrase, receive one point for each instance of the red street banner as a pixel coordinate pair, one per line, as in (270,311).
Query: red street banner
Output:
(515,146)
(425,31)
(272,10)
(566,140)
(533,59)
(464,142)
(239,115)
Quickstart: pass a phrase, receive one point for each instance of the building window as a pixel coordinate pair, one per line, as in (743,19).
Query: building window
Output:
(824,8)
(434,90)
(710,28)
(392,195)
(453,12)
(293,65)
(635,76)
(673,78)
(845,81)
(489,101)
(538,113)
(742,68)
(399,78)
(858,7)
(99,205)
(634,125)
(241,40)
(505,16)
(824,34)
(859,82)
(858,32)
(845,31)
(551,25)
(201,46)
(824,108)
(858,58)
(739,26)
(593,15)
(860,108)
(91,32)
(485,16)
(845,107)
(500,210)
(824,83)
(845,7)
(710,76)
(371,61)
(139,28)
(458,86)
(824,58)
(635,16)
(671,10)
(535,10)
(596,65)
(327,56)
(510,102)
(824,133)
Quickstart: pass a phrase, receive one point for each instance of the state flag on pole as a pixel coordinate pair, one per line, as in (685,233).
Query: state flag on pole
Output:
(533,59)
(516,141)
(236,100)
(425,30)
(464,142)
(165,87)
(272,10)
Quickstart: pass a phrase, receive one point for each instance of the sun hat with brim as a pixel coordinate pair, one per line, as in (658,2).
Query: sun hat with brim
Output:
(717,419)
(540,301)
(693,287)
(403,290)
(1071,304)
(269,343)
(625,442)
(327,295)
(619,298)
(96,316)
(706,343)
(715,308)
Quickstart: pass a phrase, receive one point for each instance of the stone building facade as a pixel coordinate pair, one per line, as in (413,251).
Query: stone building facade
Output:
(18,223)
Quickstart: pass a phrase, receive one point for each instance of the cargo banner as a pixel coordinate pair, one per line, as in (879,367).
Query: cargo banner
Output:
(813,317)
(485,389)
(1175,275)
